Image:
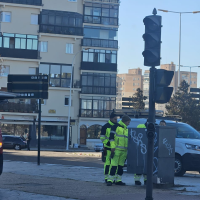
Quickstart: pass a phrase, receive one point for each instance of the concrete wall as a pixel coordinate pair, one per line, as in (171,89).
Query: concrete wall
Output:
(57,52)
(20,20)
(16,67)
(64,5)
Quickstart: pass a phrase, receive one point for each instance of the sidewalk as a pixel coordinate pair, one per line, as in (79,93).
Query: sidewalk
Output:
(21,180)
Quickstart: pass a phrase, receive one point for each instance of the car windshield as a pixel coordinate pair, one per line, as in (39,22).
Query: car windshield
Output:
(185,131)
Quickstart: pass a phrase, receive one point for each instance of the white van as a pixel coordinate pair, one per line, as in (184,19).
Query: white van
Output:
(187,151)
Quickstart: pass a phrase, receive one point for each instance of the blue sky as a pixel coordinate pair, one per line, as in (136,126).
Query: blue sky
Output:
(131,29)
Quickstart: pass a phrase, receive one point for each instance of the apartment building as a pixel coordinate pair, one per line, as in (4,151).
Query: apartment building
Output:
(43,37)
(128,83)
(98,67)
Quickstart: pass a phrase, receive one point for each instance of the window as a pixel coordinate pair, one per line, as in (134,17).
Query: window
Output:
(100,33)
(32,70)
(100,56)
(97,106)
(6,16)
(4,70)
(69,48)
(34,19)
(66,101)
(101,14)
(19,41)
(98,83)
(59,75)
(43,46)
(49,132)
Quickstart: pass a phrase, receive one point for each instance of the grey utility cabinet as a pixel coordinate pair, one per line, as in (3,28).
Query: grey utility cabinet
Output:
(164,153)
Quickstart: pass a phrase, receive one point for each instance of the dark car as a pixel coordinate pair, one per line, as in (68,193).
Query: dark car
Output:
(1,153)
(14,142)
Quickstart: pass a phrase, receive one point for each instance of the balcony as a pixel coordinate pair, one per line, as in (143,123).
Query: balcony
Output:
(95,113)
(100,43)
(101,20)
(19,53)
(99,66)
(27,2)
(105,1)
(19,107)
(61,30)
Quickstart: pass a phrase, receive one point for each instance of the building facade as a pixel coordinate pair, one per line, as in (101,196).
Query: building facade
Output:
(46,37)
(57,38)
(98,67)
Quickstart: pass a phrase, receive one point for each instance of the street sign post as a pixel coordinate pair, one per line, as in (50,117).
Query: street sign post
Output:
(30,87)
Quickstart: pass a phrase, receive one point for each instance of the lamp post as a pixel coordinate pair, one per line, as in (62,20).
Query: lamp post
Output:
(190,72)
(180,13)
(70,94)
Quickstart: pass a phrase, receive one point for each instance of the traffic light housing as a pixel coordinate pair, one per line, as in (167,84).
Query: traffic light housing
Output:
(152,38)
(163,79)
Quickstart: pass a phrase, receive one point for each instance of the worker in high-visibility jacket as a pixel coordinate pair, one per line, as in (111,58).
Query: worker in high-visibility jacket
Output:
(137,177)
(105,134)
(119,146)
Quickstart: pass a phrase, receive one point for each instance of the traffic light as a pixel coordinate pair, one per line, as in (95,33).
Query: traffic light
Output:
(163,79)
(152,38)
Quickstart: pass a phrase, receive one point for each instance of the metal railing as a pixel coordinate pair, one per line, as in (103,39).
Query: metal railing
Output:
(27,2)
(18,107)
(61,30)
(95,113)
(100,43)
(106,1)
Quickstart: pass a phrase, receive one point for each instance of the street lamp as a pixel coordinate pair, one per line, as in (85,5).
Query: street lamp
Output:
(190,72)
(194,12)
(70,94)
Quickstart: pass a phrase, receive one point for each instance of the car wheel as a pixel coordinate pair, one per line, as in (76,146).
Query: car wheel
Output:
(17,147)
(178,168)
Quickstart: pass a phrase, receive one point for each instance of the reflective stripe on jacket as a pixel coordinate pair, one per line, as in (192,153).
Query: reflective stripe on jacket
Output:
(105,133)
(119,136)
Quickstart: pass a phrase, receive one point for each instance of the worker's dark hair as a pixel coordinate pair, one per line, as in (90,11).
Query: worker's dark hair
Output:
(126,118)
(163,121)
(112,115)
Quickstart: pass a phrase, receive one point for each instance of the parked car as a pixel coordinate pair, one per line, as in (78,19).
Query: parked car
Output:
(14,142)
(98,147)
(1,153)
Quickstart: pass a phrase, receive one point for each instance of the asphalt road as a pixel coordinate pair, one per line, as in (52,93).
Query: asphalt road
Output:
(64,158)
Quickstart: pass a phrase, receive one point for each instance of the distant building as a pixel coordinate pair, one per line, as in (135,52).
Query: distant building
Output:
(128,83)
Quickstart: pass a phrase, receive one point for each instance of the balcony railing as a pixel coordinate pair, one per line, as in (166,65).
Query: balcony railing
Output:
(100,43)
(101,20)
(106,1)
(61,30)
(18,107)
(95,113)
(19,53)
(27,2)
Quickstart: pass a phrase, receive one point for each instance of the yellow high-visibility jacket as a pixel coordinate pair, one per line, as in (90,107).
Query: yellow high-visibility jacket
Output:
(119,136)
(141,126)
(105,134)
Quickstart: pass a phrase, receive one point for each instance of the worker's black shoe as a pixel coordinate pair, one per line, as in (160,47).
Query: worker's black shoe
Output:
(137,183)
(120,183)
(105,180)
(145,182)
(113,182)
(109,183)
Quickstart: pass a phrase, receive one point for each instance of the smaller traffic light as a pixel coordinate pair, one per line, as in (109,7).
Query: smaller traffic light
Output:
(152,38)
(163,79)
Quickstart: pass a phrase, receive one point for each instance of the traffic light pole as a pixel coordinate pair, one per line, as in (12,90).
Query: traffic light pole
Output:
(150,135)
